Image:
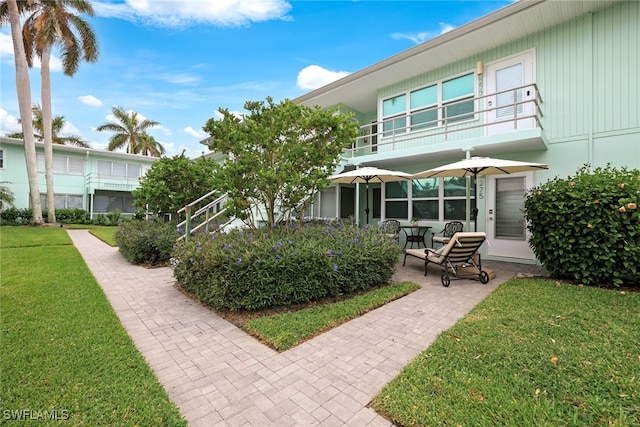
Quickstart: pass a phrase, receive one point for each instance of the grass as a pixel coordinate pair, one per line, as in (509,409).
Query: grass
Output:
(533,353)
(103,232)
(63,347)
(285,330)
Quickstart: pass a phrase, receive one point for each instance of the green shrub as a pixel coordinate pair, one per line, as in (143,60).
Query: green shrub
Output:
(72,216)
(257,269)
(15,216)
(587,227)
(146,242)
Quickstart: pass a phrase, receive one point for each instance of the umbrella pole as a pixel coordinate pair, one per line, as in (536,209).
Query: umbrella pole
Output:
(366,210)
(475,199)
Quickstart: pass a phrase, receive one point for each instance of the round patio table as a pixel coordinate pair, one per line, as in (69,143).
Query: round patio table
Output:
(415,234)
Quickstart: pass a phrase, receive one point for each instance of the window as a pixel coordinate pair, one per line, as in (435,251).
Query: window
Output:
(63,165)
(394,115)
(396,199)
(424,107)
(435,199)
(108,202)
(64,201)
(118,170)
(457,97)
(1,159)
(444,102)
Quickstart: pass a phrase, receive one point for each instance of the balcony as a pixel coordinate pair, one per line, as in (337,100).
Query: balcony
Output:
(508,120)
(111,183)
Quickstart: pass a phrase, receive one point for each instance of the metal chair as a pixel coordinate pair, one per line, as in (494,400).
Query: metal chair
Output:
(446,233)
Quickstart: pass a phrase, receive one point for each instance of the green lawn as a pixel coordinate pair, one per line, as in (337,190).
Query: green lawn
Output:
(102,232)
(63,348)
(534,353)
(285,330)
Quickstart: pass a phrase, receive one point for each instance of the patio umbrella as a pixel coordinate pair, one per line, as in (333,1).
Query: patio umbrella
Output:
(366,175)
(476,166)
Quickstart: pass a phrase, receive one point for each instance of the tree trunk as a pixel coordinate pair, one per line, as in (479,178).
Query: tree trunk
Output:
(24,101)
(47,132)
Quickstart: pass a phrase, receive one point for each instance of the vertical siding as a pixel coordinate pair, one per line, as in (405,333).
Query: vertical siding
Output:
(616,62)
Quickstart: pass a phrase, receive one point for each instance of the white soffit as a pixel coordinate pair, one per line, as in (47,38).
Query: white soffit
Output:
(513,22)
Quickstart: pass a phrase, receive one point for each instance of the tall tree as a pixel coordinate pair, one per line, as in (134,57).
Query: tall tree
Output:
(53,24)
(23,88)
(56,127)
(279,156)
(130,132)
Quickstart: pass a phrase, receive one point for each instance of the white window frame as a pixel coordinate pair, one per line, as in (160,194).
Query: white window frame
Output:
(439,106)
(65,161)
(127,167)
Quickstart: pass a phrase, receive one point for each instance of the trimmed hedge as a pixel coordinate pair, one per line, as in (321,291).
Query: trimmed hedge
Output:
(256,269)
(15,216)
(146,242)
(586,227)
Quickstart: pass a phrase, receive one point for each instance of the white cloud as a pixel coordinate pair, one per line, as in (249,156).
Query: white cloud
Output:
(314,76)
(177,13)
(423,36)
(8,123)
(90,100)
(180,78)
(55,64)
(68,129)
(200,134)
(6,46)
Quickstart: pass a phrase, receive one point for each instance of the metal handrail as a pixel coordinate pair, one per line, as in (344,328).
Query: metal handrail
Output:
(447,125)
(205,209)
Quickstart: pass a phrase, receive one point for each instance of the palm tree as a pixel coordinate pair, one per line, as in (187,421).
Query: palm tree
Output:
(148,146)
(10,12)
(130,132)
(6,196)
(51,24)
(56,127)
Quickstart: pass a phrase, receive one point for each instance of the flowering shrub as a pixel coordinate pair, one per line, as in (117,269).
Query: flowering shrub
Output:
(146,242)
(255,269)
(586,227)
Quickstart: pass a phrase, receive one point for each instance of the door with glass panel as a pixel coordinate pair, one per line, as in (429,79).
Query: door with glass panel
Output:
(506,227)
(510,94)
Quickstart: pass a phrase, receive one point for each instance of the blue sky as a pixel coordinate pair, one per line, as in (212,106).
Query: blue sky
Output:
(178,61)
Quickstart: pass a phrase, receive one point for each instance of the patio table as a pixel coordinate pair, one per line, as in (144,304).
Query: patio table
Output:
(415,234)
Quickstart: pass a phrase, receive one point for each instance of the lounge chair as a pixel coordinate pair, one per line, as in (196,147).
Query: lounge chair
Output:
(460,252)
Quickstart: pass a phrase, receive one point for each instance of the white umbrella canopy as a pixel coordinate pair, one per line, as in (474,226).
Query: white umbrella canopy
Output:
(480,166)
(367,174)
(475,166)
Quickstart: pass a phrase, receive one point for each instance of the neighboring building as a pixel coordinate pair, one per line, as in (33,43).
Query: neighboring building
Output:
(97,181)
(548,81)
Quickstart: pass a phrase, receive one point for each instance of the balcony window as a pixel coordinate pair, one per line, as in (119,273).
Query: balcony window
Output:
(118,170)
(396,203)
(443,102)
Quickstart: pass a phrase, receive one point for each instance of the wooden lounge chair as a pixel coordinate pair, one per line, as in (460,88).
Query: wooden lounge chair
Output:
(460,252)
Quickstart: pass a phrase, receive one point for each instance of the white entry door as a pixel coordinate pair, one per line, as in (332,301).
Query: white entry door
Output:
(509,101)
(506,227)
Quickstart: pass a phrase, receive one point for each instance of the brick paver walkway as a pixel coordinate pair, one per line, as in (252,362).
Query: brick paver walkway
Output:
(218,375)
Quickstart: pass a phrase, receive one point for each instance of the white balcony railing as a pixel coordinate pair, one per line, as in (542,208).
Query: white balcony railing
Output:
(500,112)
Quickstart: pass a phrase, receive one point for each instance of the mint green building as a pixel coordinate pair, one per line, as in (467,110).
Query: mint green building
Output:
(97,181)
(553,82)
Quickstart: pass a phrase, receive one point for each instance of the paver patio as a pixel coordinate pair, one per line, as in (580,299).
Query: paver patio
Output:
(219,375)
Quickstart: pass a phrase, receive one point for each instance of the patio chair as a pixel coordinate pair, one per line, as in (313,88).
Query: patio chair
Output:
(392,228)
(460,255)
(449,230)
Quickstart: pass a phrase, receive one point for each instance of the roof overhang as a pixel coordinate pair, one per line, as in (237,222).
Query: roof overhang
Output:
(520,19)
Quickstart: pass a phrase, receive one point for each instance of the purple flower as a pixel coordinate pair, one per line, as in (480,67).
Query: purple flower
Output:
(291,242)
(355,240)
(239,260)
(330,252)
(277,256)
(339,252)
(335,267)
